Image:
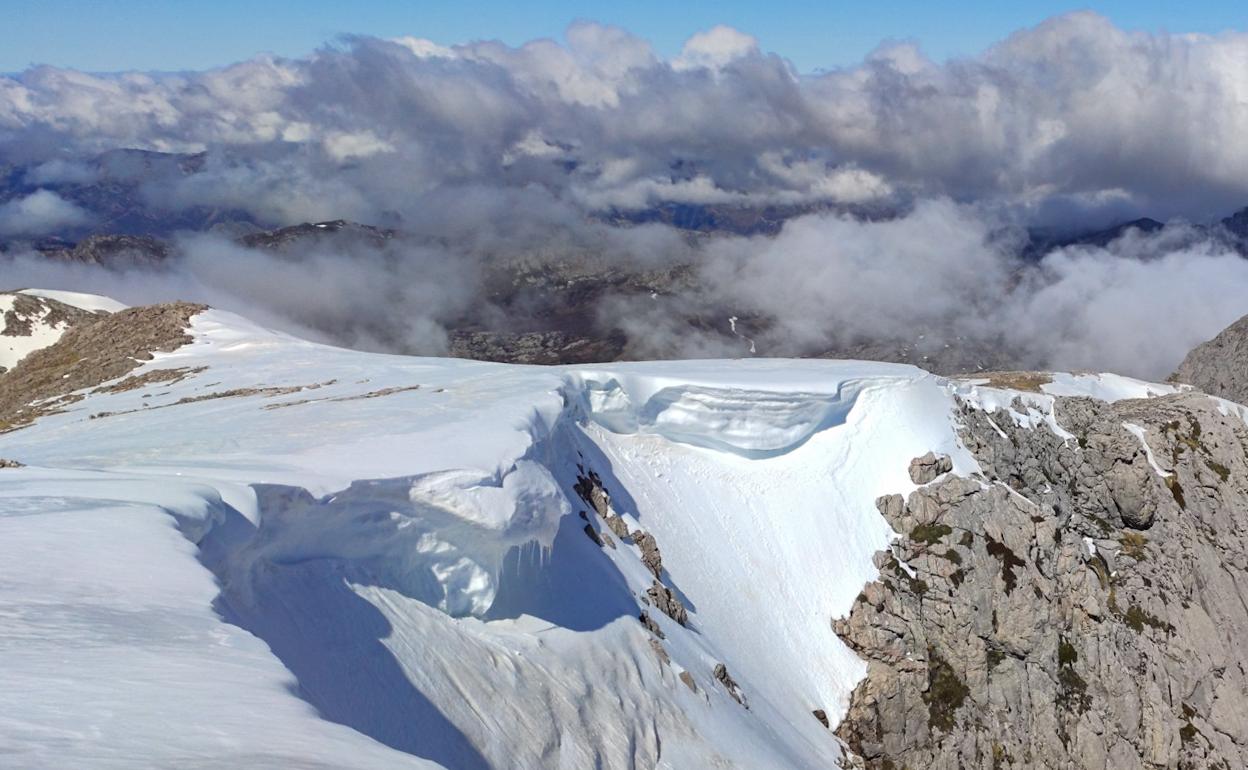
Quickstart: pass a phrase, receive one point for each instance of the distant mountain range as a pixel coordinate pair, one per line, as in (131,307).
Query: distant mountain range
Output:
(544,310)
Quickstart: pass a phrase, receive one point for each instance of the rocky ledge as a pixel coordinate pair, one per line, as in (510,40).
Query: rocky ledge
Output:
(1082,603)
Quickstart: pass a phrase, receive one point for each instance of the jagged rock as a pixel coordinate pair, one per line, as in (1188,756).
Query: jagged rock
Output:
(1042,627)
(927,468)
(723,677)
(113,250)
(651,625)
(822,716)
(11,463)
(617,525)
(590,489)
(687,678)
(649,552)
(1220,366)
(667,603)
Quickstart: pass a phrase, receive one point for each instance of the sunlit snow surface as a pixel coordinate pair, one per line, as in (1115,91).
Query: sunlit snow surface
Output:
(382,565)
(93,302)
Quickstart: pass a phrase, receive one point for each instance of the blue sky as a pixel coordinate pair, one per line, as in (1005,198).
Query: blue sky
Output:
(106,35)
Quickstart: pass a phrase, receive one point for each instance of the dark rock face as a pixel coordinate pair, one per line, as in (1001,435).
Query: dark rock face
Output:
(538,347)
(112,250)
(1220,366)
(312,234)
(1075,607)
(723,677)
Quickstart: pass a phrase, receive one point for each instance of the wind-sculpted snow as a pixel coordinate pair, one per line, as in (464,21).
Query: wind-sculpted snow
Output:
(439,539)
(396,541)
(745,420)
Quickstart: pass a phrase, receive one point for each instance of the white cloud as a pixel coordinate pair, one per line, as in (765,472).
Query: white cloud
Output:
(715,48)
(40,213)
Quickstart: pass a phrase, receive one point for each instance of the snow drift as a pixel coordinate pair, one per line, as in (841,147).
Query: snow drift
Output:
(298,555)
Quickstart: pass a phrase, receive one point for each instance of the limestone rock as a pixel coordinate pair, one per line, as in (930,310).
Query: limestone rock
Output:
(649,552)
(1076,607)
(723,677)
(1220,366)
(667,603)
(927,468)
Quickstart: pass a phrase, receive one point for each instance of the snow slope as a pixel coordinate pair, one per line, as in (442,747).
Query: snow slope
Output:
(302,556)
(91,302)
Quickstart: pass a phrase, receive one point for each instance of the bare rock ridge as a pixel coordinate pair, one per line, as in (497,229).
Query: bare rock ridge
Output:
(1084,604)
(1220,366)
(25,314)
(88,355)
(113,250)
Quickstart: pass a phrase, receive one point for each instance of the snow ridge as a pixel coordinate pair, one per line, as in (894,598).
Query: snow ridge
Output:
(396,542)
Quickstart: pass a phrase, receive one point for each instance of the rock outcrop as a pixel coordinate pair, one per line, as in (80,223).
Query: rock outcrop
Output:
(26,315)
(113,250)
(1083,603)
(1220,366)
(89,355)
(925,469)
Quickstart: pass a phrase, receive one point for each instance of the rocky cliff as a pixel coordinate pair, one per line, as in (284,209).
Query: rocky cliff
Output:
(1081,603)
(1220,366)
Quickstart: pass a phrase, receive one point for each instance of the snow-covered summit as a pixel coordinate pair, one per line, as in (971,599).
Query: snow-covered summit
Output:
(255,550)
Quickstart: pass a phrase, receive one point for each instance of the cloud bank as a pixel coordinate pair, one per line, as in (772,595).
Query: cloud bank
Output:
(907,183)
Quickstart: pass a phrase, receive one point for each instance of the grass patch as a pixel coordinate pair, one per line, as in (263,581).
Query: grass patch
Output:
(1072,693)
(917,585)
(1188,733)
(1028,381)
(945,692)
(1133,545)
(1176,490)
(1136,618)
(1102,572)
(1009,562)
(930,533)
(1067,655)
